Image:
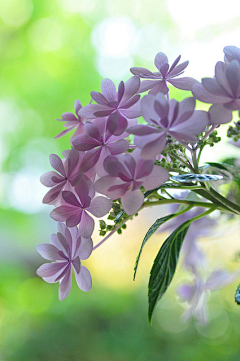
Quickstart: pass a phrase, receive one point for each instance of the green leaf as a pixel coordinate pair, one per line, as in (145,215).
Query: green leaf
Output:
(149,233)
(164,266)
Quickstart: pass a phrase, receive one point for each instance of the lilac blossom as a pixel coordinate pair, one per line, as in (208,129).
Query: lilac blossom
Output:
(98,143)
(178,119)
(65,178)
(118,106)
(72,121)
(67,249)
(223,91)
(196,294)
(75,208)
(158,80)
(126,174)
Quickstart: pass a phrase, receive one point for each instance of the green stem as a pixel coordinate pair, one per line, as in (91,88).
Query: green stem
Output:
(194,160)
(187,164)
(180,201)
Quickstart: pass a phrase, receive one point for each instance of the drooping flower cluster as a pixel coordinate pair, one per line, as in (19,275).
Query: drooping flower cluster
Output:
(117,164)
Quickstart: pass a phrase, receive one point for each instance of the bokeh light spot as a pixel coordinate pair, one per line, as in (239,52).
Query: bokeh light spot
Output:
(16,12)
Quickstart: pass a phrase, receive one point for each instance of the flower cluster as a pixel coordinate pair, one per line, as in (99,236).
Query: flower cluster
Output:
(118,161)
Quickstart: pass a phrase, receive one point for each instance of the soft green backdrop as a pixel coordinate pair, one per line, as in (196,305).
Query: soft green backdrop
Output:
(53,52)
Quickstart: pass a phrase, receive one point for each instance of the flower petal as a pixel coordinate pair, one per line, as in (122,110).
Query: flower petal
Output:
(65,284)
(49,252)
(84,279)
(100,206)
(132,201)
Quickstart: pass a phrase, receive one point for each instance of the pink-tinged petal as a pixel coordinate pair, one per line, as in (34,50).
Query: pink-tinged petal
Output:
(77,106)
(76,264)
(115,168)
(85,249)
(195,125)
(154,148)
(118,147)
(200,93)
(84,143)
(46,178)
(121,88)
(142,130)
(144,167)
(146,85)
(82,190)
(118,190)
(99,98)
(70,198)
(62,213)
(50,269)
(65,284)
(104,183)
(108,89)
(130,89)
(90,159)
(89,110)
(160,87)
(133,112)
(74,219)
(84,279)
(57,164)
(160,60)
(69,117)
(52,194)
(86,226)
(56,243)
(65,244)
(219,114)
(233,77)
(92,131)
(112,122)
(104,113)
(174,71)
(185,83)
(49,252)
(130,102)
(157,177)
(141,71)
(132,201)
(100,206)
(61,134)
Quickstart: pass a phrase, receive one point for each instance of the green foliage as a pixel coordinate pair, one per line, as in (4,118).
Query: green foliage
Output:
(164,266)
(149,233)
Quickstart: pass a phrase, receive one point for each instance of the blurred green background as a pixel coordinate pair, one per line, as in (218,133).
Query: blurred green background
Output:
(53,52)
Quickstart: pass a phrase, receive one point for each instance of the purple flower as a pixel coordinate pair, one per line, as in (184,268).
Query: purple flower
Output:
(179,120)
(72,121)
(98,143)
(66,177)
(195,294)
(223,92)
(231,53)
(159,79)
(67,249)
(118,106)
(127,173)
(74,209)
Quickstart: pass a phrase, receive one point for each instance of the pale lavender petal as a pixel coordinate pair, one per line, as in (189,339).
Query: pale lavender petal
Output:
(233,76)
(76,264)
(195,125)
(160,60)
(84,279)
(108,89)
(52,194)
(56,243)
(177,69)
(130,102)
(146,85)
(89,110)
(92,131)
(186,292)
(200,93)
(121,88)
(65,244)
(221,278)
(90,159)
(61,134)
(46,178)
(232,52)
(185,83)
(49,252)
(154,147)
(186,109)
(142,130)
(74,219)
(82,190)
(141,71)
(132,201)
(62,213)
(83,143)
(100,206)
(70,198)
(112,122)
(157,177)
(57,164)
(164,69)
(219,114)
(99,98)
(148,111)
(220,75)
(212,86)
(77,106)
(85,249)
(104,183)
(86,226)
(65,284)
(160,87)
(161,105)
(50,269)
